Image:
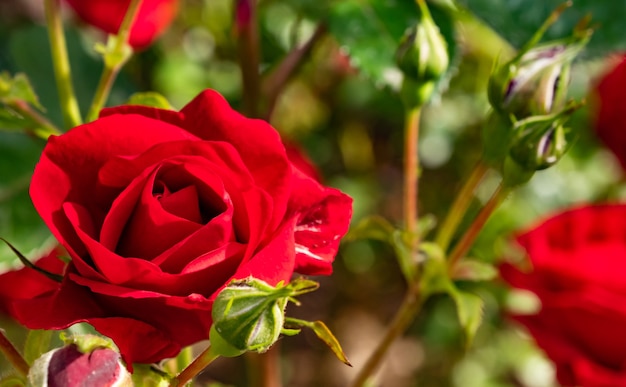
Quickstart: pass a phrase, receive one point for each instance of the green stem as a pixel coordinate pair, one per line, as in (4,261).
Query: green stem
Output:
(102,92)
(463,246)
(460,206)
(249,56)
(45,129)
(193,369)
(412,300)
(275,83)
(404,317)
(61,64)
(184,358)
(12,355)
(264,368)
(411,173)
(114,60)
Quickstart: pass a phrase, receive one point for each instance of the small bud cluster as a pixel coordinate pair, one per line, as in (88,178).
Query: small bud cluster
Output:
(528,96)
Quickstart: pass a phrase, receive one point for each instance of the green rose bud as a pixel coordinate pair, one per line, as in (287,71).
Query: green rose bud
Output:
(535,81)
(249,314)
(540,141)
(423,58)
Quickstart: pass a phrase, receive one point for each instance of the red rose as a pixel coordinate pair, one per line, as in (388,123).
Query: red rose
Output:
(159,209)
(610,120)
(153,18)
(579,274)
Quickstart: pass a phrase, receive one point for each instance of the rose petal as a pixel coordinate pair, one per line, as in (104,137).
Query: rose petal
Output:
(275,262)
(137,341)
(63,174)
(256,141)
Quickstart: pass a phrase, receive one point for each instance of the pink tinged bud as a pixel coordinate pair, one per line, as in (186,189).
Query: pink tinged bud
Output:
(68,366)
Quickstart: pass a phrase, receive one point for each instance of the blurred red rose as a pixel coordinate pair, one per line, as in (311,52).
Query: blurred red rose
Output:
(579,274)
(610,117)
(153,18)
(159,209)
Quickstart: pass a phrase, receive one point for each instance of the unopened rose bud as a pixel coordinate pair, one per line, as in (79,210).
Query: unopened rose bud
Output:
(423,58)
(535,81)
(71,366)
(537,143)
(249,314)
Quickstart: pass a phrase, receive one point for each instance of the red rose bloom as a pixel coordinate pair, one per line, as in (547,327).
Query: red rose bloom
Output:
(159,210)
(610,120)
(153,18)
(579,274)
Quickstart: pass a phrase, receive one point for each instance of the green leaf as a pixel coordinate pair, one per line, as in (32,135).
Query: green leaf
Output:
(370,33)
(17,88)
(373,227)
(469,308)
(516,21)
(471,270)
(151,99)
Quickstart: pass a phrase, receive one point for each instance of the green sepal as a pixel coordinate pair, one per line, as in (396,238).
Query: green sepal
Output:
(222,347)
(323,333)
(88,343)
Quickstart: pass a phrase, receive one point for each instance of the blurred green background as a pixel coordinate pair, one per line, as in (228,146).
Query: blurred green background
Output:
(343,109)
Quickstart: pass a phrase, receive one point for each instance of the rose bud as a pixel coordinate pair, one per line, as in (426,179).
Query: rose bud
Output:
(535,81)
(80,364)
(423,58)
(249,314)
(539,141)
(153,17)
